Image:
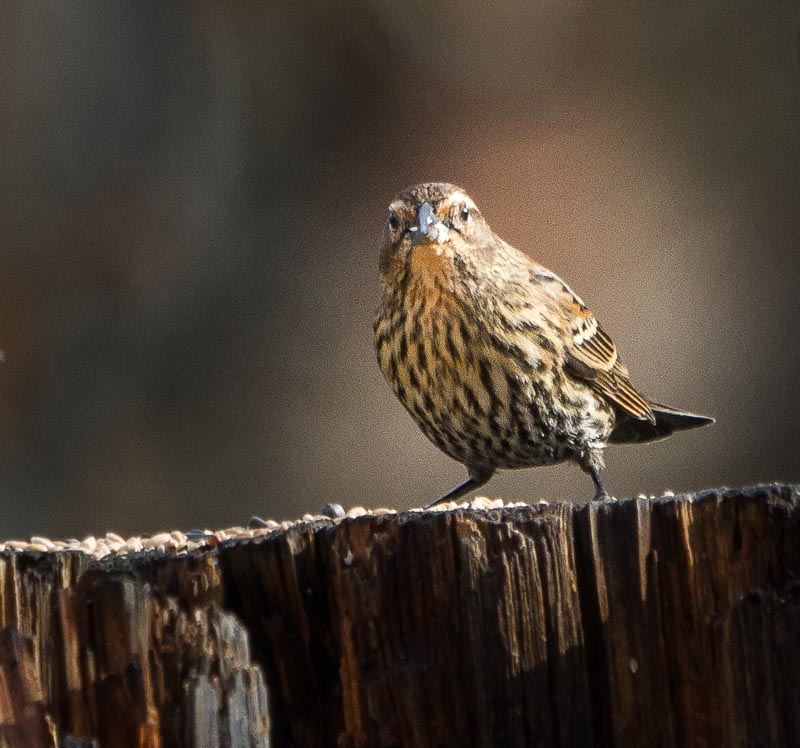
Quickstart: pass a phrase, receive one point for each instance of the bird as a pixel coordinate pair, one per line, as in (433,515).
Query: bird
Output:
(497,359)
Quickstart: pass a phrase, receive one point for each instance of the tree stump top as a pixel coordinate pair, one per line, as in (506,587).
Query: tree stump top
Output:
(649,621)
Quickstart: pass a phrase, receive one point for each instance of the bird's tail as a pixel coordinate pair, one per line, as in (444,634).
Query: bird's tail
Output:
(668,420)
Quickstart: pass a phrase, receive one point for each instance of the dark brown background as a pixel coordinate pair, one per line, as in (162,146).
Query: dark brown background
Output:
(196,202)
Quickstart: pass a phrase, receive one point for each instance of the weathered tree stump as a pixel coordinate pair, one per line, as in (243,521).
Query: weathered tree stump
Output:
(652,622)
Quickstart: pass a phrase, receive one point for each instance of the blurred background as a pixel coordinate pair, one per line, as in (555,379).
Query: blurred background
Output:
(194,200)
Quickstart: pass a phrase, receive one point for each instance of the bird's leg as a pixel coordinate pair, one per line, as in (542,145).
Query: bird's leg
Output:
(477,477)
(600,493)
(592,462)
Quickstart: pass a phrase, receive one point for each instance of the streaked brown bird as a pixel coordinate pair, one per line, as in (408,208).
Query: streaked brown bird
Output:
(498,361)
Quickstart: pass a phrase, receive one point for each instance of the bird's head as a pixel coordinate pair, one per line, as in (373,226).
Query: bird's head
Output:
(432,228)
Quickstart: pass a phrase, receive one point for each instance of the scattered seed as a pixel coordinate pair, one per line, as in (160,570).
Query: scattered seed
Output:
(161,539)
(446,507)
(46,542)
(333,511)
(179,543)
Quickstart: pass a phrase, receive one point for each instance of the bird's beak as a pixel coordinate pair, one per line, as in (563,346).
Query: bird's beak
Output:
(430,229)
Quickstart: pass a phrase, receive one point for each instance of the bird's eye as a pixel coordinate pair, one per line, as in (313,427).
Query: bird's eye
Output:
(394,221)
(464,213)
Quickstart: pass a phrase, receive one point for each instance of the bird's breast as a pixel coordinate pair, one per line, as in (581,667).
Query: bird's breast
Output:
(482,388)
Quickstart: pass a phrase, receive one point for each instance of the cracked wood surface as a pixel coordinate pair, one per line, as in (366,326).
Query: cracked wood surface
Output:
(653,622)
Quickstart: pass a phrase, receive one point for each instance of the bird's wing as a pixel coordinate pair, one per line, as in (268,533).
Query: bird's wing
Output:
(590,354)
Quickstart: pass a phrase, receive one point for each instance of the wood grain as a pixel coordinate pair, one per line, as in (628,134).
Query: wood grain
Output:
(652,622)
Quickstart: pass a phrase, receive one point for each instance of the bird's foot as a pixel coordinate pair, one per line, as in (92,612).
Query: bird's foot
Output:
(477,477)
(601,495)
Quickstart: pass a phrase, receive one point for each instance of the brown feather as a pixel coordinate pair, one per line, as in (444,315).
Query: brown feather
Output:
(592,356)
(622,392)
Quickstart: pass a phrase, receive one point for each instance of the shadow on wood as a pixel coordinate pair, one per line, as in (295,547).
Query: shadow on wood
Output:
(667,622)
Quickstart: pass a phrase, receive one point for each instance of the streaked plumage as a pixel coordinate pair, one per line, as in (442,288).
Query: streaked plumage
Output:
(498,361)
